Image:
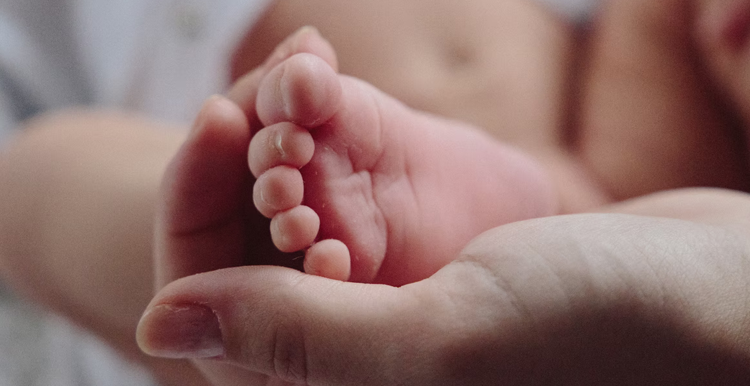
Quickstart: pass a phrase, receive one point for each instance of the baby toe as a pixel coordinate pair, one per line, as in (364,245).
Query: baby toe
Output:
(277,190)
(329,259)
(303,89)
(280,144)
(295,229)
(306,39)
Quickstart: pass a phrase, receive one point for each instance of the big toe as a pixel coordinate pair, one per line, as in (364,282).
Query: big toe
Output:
(306,39)
(303,89)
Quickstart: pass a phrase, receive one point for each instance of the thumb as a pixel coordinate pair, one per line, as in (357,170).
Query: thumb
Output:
(285,324)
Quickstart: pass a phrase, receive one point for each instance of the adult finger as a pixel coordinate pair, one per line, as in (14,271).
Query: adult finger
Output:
(204,194)
(287,325)
(537,301)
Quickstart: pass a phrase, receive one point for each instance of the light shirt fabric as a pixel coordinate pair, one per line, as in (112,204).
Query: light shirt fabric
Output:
(157,57)
(577,11)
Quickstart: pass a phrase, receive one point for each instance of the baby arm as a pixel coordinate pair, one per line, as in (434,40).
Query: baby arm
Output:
(77,190)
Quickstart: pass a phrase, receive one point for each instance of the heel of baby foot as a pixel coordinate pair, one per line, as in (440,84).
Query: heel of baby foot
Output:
(329,259)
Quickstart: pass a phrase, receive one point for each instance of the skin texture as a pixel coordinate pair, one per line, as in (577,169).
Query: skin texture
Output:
(103,148)
(603,298)
(579,295)
(701,328)
(480,72)
(386,180)
(434,60)
(650,118)
(634,282)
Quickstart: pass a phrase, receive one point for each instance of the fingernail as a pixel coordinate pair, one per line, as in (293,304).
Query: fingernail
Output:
(180,331)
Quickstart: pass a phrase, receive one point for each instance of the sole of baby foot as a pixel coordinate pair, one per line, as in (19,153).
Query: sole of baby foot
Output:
(402,190)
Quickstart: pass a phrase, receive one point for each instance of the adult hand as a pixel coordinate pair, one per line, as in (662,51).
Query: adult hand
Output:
(583,299)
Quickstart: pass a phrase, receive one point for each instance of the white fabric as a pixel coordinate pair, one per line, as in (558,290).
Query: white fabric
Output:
(37,349)
(159,57)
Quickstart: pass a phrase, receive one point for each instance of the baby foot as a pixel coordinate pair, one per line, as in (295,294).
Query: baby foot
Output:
(400,190)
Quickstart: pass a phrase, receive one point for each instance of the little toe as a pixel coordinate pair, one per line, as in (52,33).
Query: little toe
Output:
(280,144)
(277,190)
(295,229)
(304,89)
(329,259)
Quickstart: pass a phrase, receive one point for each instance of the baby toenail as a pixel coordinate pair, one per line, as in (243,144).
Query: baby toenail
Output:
(278,144)
(263,197)
(286,105)
(280,238)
